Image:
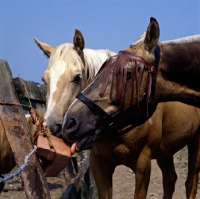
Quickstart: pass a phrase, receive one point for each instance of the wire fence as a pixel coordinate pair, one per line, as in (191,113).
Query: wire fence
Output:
(20,169)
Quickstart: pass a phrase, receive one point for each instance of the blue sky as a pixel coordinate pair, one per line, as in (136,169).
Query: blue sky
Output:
(105,24)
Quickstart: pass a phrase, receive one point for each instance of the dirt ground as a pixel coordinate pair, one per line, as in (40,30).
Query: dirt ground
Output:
(123,181)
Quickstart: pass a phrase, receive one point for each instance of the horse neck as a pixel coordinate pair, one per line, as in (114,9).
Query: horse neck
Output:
(94,60)
(178,76)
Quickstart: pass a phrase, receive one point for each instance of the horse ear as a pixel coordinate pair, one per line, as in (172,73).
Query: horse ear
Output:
(152,35)
(78,41)
(46,48)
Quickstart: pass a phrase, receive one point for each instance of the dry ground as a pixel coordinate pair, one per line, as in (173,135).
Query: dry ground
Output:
(123,181)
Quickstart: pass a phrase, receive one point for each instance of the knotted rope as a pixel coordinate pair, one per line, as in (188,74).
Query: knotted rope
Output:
(40,128)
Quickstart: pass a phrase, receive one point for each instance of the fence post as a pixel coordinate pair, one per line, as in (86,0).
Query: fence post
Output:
(18,134)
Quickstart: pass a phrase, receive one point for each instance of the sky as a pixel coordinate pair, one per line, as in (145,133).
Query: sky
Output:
(105,24)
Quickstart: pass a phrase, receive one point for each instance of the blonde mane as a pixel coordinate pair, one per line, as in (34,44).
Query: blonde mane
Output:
(94,58)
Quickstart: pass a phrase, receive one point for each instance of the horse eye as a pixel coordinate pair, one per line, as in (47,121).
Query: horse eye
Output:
(77,79)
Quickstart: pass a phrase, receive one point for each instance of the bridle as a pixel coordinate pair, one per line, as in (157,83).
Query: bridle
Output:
(110,120)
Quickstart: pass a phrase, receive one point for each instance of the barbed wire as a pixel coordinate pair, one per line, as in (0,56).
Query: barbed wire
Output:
(20,169)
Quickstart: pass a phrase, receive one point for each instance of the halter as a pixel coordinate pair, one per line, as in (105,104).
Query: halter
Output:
(108,119)
(113,63)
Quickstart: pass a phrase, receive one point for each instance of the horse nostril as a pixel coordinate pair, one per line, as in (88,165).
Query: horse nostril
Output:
(58,131)
(69,128)
(72,122)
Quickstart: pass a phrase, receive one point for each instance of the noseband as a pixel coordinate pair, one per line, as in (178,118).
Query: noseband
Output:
(110,120)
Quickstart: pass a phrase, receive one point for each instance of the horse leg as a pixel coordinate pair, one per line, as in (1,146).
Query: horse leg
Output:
(193,166)
(169,176)
(142,174)
(102,172)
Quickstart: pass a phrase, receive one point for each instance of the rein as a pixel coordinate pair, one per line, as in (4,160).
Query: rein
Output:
(114,63)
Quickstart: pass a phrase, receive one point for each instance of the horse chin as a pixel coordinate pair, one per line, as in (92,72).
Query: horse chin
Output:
(85,143)
(79,143)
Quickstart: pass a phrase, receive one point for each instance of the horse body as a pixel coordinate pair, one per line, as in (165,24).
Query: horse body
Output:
(71,68)
(159,138)
(167,131)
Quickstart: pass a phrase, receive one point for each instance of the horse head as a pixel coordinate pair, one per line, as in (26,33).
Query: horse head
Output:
(123,81)
(71,68)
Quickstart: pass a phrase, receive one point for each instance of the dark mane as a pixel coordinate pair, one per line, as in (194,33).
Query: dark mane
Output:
(118,66)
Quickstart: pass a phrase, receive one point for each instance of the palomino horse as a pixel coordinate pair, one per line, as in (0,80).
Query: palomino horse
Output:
(172,126)
(71,68)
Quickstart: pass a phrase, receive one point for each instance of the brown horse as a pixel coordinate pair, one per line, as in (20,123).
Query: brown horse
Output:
(169,128)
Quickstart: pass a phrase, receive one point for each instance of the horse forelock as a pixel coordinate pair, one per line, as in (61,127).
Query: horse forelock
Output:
(64,52)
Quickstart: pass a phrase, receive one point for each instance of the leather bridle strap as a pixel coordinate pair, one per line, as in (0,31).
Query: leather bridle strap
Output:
(108,119)
(93,107)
